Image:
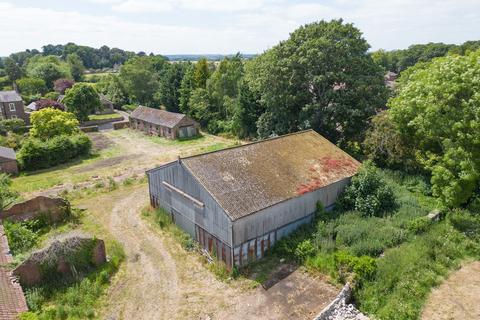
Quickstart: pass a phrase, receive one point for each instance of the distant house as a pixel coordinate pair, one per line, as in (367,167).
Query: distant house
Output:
(8,161)
(163,123)
(11,106)
(239,201)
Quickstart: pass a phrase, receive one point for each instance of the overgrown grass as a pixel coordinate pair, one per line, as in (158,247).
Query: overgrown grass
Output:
(163,220)
(74,297)
(68,172)
(94,117)
(393,261)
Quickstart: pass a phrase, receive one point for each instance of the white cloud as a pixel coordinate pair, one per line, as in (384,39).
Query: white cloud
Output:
(139,6)
(244,25)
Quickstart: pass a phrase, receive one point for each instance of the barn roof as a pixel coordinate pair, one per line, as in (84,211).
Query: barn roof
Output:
(7,153)
(252,177)
(157,116)
(9,96)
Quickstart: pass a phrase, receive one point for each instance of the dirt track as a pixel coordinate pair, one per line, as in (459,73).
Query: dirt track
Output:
(457,297)
(162,281)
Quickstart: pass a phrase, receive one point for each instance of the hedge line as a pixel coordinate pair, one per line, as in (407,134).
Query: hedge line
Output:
(37,154)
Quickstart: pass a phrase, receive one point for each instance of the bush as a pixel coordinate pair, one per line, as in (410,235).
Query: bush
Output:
(20,237)
(465,222)
(368,194)
(362,268)
(304,250)
(12,125)
(37,154)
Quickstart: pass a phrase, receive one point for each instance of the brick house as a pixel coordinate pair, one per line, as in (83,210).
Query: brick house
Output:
(8,161)
(11,106)
(163,123)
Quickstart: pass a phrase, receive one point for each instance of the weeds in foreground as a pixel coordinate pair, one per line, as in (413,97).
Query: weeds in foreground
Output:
(74,297)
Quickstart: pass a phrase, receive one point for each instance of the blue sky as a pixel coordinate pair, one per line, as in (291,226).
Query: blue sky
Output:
(216,26)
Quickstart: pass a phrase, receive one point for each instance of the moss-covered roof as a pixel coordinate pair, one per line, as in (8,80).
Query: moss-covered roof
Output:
(249,178)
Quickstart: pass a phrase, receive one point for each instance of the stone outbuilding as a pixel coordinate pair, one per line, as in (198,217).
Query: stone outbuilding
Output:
(8,161)
(163,123)
(239,201)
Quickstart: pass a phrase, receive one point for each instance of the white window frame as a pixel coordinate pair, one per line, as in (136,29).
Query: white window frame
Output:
(11,106)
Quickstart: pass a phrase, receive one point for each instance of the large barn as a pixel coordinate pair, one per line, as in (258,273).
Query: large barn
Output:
(239,201)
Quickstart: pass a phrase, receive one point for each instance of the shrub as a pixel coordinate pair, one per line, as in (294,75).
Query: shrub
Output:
(419,225)
(38,154)
(304,250)
(20,237)
(368,194)
(12,125)
(465,222)
(362,268)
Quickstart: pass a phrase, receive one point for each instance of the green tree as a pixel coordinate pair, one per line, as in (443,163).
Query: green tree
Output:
(76,66)
(186,88)
(82,100)
(140,78)
(201,73)
(48,68)
(437,110)
(112,87)
(386,146)
(31,86)
(7,195)
(49,122)
(12,69)
(248,111)
(323,78)
(170,80)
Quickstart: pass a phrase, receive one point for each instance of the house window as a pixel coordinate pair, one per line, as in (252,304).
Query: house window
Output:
(11,106)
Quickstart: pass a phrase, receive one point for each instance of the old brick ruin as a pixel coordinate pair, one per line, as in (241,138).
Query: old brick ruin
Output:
(54,209)
(66,256)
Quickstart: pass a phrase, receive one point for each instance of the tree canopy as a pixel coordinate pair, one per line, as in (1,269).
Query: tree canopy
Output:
(82,100)
(437,111)
(49,122)
(322,78)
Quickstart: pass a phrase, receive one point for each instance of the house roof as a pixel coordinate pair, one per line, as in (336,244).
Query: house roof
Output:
(9,96)
(7,153)
(252,177)
(157,116)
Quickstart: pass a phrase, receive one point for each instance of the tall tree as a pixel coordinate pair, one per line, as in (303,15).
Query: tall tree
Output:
(12,69)
(437,111)
(76,66)
(82,100)
(48,68)
(140,77)
(202,73)
(186,88)
(322,78)
(170,80)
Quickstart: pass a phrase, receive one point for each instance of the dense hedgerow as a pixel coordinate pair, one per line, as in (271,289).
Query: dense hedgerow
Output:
(37,154)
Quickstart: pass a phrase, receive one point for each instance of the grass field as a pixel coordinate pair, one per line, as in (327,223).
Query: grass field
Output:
(94,117)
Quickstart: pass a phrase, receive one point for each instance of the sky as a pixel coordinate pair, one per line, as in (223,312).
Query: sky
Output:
(221,26)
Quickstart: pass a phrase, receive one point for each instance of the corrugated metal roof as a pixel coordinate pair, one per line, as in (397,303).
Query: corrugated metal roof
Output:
(7,153)
(9,96)
(249,178)
(157,116)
